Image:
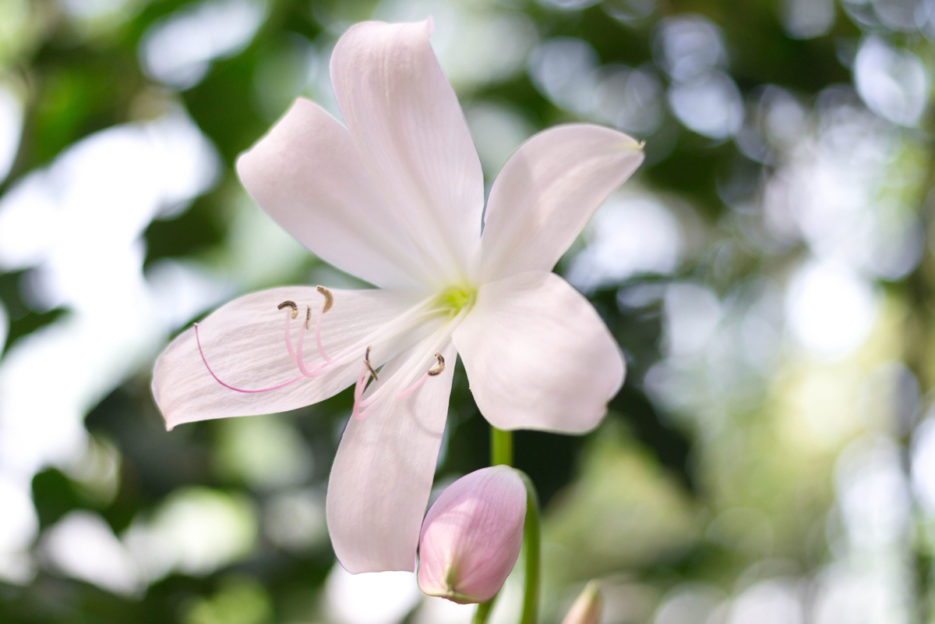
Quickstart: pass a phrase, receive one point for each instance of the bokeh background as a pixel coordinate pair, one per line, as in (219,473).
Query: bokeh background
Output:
(768,273)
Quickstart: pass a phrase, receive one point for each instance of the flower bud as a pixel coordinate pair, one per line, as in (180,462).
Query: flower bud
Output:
(587,607)
(471,536)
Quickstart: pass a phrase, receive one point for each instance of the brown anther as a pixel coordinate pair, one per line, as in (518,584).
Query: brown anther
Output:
(289,304)
(308,316)
(439,365)
(367,364)
(329,298)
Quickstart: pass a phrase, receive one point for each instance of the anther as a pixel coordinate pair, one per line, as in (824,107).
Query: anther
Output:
(329,298)
(308,316)
(439,365)
(432,372)
(289,304)
(367,364)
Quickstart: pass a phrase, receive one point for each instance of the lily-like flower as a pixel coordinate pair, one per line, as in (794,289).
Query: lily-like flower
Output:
(395,196)
(472,535)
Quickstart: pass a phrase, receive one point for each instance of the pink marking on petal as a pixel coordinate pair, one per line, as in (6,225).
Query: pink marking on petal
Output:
(227,385)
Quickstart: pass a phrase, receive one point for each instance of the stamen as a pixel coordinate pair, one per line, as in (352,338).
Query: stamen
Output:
(289,304)
(359,392)
(366,370)
(227,385)
(402,394)
(438,338)
(435,370)
(329,298)
(300,361)
(321,349)
(349,353)
(367,364)
(439,365)
(296,354)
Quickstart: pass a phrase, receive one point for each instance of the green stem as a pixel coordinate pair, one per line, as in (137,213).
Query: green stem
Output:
(501,452)
(483,611)
(531,547)
(501,447)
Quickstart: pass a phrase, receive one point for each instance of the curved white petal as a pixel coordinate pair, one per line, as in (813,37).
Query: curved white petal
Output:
(307,174)
(547,192)
(538,356)
(382,474)
(245,345)
(410,131)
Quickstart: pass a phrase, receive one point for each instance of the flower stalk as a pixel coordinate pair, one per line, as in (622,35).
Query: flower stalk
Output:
(483,611)
(530,614)
(501,447)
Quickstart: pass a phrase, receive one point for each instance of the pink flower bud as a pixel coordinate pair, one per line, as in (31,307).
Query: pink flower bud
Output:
(472,535)
(587,607)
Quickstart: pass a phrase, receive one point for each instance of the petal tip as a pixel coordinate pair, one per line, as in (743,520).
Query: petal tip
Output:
(631,144)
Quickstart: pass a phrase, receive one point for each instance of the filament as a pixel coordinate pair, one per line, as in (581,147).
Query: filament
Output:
(227,385)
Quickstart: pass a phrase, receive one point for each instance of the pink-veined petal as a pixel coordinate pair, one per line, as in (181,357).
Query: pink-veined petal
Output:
(410,130)
(244,343)
(547,192)
(306,173)
(382,475)
(538,356)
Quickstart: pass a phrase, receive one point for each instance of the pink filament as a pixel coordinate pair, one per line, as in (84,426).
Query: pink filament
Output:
(289,341)
(300,361)
(402,394)
(230,387)
(297,354)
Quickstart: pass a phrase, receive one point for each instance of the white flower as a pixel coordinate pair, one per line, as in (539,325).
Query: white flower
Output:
(396,197)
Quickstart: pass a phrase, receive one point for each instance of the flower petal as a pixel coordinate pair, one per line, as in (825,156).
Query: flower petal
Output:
(538,356)
(410,131)
(307,174)
(244,343)
(547,192)
(382,475)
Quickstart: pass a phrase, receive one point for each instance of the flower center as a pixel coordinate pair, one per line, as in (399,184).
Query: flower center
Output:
(454,299)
